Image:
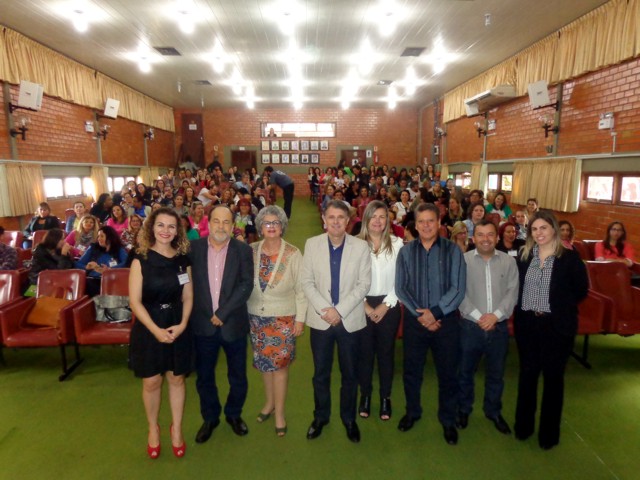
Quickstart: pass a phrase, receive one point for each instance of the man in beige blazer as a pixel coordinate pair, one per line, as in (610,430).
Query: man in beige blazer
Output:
(336,276)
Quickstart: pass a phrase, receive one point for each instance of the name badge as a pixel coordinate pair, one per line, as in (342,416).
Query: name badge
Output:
(183,278)
(513,253)
(249,222)
(113,262)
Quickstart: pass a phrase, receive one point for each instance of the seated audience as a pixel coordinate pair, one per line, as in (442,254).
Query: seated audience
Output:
(615,246)
(460,236)
(139,208)
(245,222)
(102,208)
(475,213)
(198,220)
(567,233)
(522,220)
(107,252)
(129,237)
(192,233)
(509,243)
(53,253)
(178,205)
(454,214)
(118,219)
(83,236)
(78,212)
(500,206)
(42,221)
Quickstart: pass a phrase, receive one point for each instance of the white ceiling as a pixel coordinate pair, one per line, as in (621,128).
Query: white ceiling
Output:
(328,33)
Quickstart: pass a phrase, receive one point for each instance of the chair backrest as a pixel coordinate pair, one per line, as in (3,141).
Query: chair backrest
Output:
(591,245)
(115,281)
(444,232)
(38,237)
(613,279)
(14,238)
(68,213)
(582,249)
(9,286)
(69,284)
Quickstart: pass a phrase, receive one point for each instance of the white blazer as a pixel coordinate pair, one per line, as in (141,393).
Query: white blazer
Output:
(355,280)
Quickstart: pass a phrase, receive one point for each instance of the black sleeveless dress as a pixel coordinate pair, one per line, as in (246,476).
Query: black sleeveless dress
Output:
(162,297)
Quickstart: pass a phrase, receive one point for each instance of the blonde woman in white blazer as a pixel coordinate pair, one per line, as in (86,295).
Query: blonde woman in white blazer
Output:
(277,309)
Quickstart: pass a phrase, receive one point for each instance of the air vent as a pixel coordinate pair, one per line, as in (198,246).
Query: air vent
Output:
(167,51)
(385,82)
(412,51)
(202,82)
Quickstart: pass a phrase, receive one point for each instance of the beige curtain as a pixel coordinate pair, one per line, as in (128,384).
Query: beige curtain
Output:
(99,177)
(25,187)
(23,59)
(555,183)
(444,171)
(5,199)
(149,175)
(606,36)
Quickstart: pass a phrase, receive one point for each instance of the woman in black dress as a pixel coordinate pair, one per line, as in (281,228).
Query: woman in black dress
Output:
(161,297)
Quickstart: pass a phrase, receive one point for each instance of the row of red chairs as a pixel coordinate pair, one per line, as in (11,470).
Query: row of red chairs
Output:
(76,323)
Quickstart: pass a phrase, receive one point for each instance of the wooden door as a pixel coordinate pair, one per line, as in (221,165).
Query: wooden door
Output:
(243,159)
(192,139)
(349,155)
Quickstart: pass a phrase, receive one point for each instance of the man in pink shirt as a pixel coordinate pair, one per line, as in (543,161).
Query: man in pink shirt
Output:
(222,272)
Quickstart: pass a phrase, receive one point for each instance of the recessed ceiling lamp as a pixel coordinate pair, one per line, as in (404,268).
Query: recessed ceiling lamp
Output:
(410,81)
(439,57)
(185,14)
(250,96)
(144,57)
(365,58)
(288,14)
(81,13)
(392,97)
(79,20)
(387,15)
(218,58)
(236,82)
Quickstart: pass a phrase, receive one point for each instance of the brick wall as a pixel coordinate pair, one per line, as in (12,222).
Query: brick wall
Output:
(4,135)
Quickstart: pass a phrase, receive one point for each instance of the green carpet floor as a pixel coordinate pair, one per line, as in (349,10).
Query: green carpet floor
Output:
(93,424)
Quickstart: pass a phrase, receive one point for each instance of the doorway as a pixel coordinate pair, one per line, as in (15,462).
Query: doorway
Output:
(192,139)
(350,155)
(243,159)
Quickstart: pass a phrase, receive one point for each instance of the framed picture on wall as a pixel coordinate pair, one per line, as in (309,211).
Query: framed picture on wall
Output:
(284,144)
(295,145)
(314,145)
(304,145)
(315,158)
(295,158)
(275,144)
(266,157)
(324,145)
(285,158)
(304,158)
(275,158)
(265,145)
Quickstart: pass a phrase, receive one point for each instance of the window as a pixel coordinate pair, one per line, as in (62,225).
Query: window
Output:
(630,190)
(73,186)
(600,189)
(500,181)
(299,130)
(53,188)
(110,184)
(463,179)
(67,187)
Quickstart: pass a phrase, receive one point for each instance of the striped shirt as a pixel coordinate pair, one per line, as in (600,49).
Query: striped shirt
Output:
(535,291)
(433,279)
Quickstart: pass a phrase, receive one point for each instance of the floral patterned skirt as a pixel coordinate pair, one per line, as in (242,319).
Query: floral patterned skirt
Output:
(274,345)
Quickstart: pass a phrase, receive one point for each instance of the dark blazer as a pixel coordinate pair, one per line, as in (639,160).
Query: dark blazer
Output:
(569,286)
(43,259)
(237,284)
(49,222)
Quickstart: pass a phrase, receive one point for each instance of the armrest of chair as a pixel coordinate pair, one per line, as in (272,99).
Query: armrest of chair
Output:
(13,313)
(84,315)
(67,332)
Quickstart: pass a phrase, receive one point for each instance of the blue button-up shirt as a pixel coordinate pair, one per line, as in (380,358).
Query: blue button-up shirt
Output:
(335,259)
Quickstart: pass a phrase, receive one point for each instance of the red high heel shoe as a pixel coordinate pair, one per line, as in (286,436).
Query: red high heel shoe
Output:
(178,451)
(154,452)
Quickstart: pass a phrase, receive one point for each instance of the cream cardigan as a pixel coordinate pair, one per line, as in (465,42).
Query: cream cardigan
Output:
(283,295)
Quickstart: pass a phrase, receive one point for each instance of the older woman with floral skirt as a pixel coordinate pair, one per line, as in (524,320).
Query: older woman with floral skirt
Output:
(277,311)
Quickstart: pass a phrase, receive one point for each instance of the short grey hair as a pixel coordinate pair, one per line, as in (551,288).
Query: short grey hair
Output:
(272,210)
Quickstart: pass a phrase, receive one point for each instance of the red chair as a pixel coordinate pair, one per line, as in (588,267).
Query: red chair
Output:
(593,312)
(88,331)
(9,291)
(583,250)
(591,245)
(68,213)
(38,237)
(17,333)
(14,238)
(613,280)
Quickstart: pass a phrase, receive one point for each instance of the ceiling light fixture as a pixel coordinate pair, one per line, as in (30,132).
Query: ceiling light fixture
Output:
(365,58)
(79,20)
(410,81)
(392,97)
(218,58)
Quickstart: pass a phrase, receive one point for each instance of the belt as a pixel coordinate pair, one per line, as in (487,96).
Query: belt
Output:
(164,306)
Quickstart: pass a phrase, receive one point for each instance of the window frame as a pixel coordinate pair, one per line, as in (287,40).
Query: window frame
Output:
(616,189)
(65,195)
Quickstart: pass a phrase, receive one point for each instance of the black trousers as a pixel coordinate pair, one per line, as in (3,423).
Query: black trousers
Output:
(287,193)
(322,346)
(378,340)
(444,345)
(541,350)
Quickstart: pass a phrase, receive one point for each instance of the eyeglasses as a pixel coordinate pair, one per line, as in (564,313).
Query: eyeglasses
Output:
(275,223)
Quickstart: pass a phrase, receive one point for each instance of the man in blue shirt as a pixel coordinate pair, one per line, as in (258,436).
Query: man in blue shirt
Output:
(430,282)
(284,181)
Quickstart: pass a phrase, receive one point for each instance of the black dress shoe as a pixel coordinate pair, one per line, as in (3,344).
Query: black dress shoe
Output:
(547,445)
(406,423)
(206,430)
(385,408)
(315,429)
(462,421)
(353,432)
(365,406)
(501,424)
(451,435)
(238,426)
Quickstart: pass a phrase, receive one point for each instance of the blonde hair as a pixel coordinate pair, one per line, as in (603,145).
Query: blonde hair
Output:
(458,228)
(549,218)
(79,230)
(147,239)
(386,246)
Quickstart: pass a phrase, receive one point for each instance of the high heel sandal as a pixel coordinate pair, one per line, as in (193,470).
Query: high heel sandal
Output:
(365,406)
(263,417)
(281,431)
(181,450)
(385,408)
(154,452)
